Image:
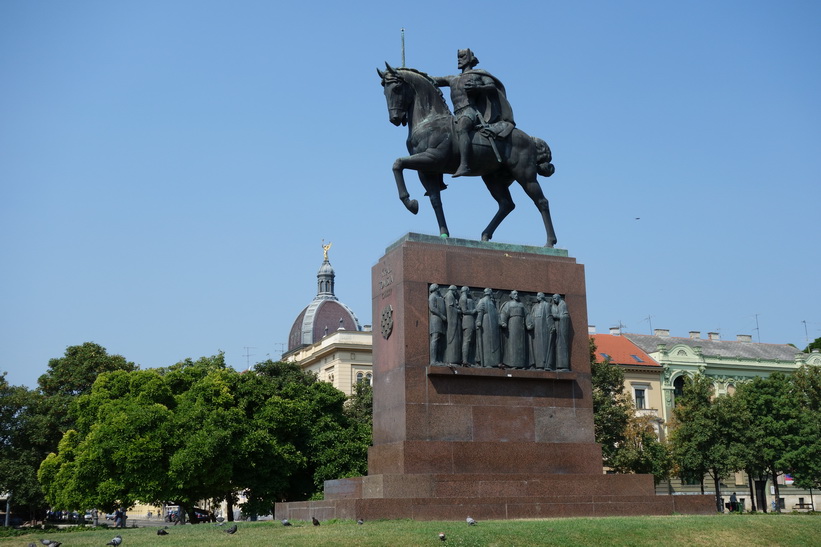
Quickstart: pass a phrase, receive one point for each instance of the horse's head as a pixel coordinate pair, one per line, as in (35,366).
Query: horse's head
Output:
(397,93)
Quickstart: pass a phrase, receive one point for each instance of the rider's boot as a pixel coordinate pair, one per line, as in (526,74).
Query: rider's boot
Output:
(464,153)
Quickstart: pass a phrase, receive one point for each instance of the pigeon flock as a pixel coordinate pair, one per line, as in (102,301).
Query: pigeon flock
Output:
(118,540)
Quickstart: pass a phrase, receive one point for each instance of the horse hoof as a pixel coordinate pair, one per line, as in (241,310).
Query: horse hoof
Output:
(485,237)
(411,205)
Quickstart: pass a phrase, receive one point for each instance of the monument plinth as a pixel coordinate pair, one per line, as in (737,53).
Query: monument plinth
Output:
(492,442)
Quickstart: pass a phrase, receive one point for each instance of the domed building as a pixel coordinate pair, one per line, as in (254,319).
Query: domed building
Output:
(327,339)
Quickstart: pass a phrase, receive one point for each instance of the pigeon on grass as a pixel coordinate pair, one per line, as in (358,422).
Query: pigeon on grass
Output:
(315,521)
(470,521)
(232,530)
(116,541)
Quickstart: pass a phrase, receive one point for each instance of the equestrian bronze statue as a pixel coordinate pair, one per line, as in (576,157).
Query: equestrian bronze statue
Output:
(480,140)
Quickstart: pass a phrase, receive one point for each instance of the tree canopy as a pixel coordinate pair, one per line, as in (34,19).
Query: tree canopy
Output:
(200,430)
(34,421)
(23,434)
(629,442)
(612,407)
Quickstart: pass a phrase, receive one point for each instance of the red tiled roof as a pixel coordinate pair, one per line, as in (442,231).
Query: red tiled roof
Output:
(620,351)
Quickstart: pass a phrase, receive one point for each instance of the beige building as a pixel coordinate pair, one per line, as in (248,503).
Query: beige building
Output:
(642,375)
(727,363)
(327,339)
(341,358)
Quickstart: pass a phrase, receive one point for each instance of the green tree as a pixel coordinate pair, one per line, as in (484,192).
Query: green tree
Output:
(804,459)
(269,455)
(333,443)
(199,430)
(775,430)
(121,447)
(704,438)
(359,406)
(641,451)
(23,431)
(68,377)
(612,407)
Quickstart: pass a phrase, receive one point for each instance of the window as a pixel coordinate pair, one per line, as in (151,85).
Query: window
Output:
(678,388)
(605,356)
(637,358)
(690,478)
(641,403)
(359,377)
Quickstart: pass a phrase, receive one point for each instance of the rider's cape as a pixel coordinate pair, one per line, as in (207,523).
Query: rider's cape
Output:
(494,107)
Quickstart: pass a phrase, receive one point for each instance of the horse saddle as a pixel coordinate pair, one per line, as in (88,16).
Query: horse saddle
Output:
(501,129)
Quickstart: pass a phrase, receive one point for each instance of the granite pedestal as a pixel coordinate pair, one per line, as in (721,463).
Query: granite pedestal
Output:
(492,443)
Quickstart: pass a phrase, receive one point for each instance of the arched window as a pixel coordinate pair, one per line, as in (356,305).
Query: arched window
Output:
(369,377)
(359,377)
(678,388)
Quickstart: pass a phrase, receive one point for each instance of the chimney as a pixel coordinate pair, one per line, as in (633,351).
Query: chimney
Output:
(591,329)
(744,337)
(661,332)
(714,336)
(615,331)
(695,335)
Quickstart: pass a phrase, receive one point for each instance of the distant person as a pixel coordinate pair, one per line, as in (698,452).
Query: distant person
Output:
(733,503)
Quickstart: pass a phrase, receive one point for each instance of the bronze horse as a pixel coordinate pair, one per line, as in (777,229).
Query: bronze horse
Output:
(414,100)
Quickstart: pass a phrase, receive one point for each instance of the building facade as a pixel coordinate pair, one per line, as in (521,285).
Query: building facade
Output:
(642,376)
(728,363)
(327,339)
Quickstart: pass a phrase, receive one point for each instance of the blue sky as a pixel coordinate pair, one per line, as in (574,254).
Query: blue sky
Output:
(169,170)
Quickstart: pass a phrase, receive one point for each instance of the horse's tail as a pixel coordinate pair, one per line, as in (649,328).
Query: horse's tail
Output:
(543,158)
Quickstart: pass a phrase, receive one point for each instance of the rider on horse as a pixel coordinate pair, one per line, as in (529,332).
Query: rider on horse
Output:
(479,101)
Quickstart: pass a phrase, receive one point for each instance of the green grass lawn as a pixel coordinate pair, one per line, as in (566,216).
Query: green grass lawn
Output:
(724,530)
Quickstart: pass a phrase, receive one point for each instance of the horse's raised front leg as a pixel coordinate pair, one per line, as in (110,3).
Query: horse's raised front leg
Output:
(534,190)
(410,204)
(423,161)
(433,184)
(499,190)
